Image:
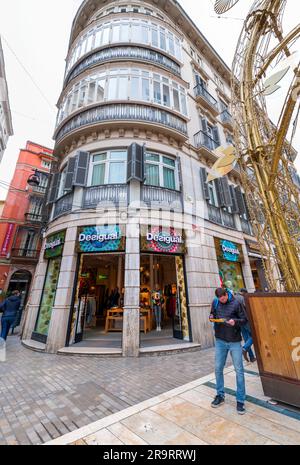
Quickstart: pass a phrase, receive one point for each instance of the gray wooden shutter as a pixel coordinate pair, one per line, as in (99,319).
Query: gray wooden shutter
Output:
(204,185)
(136,163)
(178,163)
(53,191)
(216,136)
(235,207)
(81,169)
(240,201)
(204,125)
(70,174)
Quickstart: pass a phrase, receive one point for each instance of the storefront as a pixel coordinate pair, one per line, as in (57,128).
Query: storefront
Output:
(99,282)
(230,262)
(257,267)
(53,254)
(163,267)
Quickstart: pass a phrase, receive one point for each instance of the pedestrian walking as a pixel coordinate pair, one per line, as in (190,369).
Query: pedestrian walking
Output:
(157,301)
(246,329)
(228,317)
(10,309)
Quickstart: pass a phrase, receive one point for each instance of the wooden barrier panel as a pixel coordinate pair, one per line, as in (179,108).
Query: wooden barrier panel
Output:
(275,324)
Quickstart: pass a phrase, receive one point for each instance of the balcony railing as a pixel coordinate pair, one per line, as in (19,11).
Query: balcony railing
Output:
(124,112)
(219,216)
(246,227)
(124,53)
(113,194)
(39,189)
(200,91)
(33,218)
(226,118)
(63,205)
(162,198)
(25,253)
(202,139)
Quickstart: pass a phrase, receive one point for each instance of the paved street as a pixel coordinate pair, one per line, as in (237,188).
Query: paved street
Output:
(44,396)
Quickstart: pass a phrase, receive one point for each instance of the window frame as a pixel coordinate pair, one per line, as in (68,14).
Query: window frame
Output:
(107,163)
(161,165)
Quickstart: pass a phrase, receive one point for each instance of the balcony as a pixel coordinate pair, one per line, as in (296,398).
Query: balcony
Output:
(206,99)
(206,144)
(221,217)
(115,195)
(63,205)
(107,114)
(33,218)
(246,227)
(124,53)
(161,198)
(226,119)
(25,254)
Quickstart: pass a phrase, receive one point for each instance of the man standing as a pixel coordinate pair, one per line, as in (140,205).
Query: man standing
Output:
(228,317)
(10,308)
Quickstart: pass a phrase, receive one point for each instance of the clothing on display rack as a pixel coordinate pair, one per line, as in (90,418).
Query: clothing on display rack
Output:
(91,308)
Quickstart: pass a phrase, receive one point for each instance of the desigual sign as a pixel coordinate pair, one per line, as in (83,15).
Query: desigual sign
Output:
(100,239)
(230,251)
(54,245)
(162,241)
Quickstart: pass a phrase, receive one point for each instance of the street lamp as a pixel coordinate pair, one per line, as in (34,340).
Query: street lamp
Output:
(34,180)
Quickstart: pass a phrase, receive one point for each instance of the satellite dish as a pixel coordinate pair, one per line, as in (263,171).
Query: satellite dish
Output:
(221,6)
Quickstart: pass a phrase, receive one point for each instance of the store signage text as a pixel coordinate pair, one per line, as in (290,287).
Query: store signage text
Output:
(54,245)
(230,251)
(164,238)
(162,241)
(100,239)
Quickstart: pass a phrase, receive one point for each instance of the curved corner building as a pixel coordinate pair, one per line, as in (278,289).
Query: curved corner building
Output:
(145,102)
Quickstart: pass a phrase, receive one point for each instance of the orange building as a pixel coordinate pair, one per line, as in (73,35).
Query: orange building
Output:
(22,219)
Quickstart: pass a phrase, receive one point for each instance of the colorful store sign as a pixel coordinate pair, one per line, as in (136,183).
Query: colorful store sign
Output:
(166,240)
(93,239)
(54,245)
(229,251)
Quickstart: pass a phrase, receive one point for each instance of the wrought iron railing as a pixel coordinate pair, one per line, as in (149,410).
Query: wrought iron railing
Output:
(202,139)
(63,205)
(226,117)
(34,218)
(154,196)
(113,194)
(126,53)
(200,91)
(219,216)
(121,112)
(25,253)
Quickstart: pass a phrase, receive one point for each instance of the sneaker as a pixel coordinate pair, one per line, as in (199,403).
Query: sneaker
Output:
(240,408)
(245,355)
(219,400)
(252,359)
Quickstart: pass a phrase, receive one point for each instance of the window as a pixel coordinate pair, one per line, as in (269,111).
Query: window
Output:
(62,182)
(108,168)
(161,171)
(46,164)
(212,194)
(166,95)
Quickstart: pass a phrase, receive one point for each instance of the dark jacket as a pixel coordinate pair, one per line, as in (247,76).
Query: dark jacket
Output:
(10,307)
(232,310)
(241,299)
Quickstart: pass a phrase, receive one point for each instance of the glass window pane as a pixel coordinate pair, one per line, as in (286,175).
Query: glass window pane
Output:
(169,161)
(176,100)
(152,174)
(99,157)
(145,33)
(82,96)
(152,157)
(157,92)
(145,89)
(74,100)
(98,38)
(90,43)
(115,33)
(154,37)
(171,44)
(112,88)
(91,92)
(117,173)
(123,88)
(136,33)
(135,88)
(166,95)
(169,179)
(163,43)
(183,103)
(105,37)
(124,33)
(118,155)
(100,90)
(98,174)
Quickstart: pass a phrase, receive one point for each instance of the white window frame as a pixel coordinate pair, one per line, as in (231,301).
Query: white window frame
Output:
(107,162)
(161,165)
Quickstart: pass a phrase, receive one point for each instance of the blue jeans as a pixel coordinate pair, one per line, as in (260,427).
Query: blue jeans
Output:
(235,349)
(157,313)
(6,323)
(246,333)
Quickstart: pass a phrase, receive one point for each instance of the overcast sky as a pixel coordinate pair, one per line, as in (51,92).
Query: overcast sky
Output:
(37,32)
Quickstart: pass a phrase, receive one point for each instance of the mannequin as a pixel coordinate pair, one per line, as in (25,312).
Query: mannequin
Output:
(157,301)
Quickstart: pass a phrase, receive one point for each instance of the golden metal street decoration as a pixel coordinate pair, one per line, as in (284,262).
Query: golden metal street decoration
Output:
(263,57)
(224,164)
(222,6)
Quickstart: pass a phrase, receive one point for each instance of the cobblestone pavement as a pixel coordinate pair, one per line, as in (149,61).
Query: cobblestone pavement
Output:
(44,396)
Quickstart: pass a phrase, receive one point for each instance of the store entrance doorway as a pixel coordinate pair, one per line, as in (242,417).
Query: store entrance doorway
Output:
(162,280)
(99,293)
